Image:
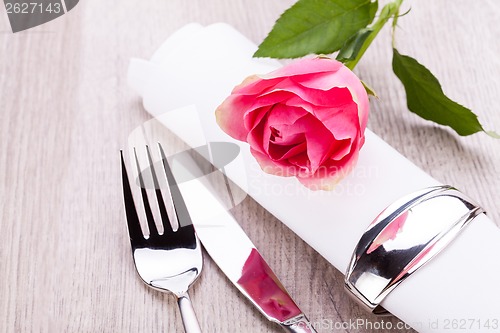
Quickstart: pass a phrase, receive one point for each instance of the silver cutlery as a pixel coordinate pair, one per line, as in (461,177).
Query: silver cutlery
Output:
(170,261)
(235,254)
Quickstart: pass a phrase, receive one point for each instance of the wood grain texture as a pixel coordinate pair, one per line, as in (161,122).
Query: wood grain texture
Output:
(65,263)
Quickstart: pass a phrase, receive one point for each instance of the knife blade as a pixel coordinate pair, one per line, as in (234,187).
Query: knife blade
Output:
(233,252)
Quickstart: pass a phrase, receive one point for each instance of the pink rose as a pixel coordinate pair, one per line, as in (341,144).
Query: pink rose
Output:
(306,119)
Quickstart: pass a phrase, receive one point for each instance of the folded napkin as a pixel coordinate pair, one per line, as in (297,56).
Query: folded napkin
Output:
(195,70)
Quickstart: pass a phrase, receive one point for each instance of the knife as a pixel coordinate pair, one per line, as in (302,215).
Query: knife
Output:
(232,250)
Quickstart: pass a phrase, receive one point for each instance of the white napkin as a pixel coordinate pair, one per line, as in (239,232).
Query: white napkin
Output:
(193,72)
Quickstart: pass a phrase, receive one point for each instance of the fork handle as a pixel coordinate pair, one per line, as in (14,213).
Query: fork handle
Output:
(189,320)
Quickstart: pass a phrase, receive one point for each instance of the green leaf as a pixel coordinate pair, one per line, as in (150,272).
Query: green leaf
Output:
(389,10)
(316,26)
(369,90)
(426,98)
(353,45)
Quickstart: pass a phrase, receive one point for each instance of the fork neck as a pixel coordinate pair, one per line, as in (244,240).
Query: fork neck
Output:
(189,320)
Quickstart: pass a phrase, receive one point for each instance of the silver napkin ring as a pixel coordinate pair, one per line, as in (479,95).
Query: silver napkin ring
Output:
(404,237)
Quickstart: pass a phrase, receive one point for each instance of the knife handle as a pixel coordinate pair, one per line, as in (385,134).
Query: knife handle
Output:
(299,324)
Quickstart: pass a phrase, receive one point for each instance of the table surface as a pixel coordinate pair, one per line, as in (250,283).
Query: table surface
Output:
(67,110)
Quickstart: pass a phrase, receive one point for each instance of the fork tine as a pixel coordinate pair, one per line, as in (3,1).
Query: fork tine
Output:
(153,231)
(134,226)
(159,197)
(179,205)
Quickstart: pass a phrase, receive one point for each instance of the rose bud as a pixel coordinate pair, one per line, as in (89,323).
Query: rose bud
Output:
(306,119)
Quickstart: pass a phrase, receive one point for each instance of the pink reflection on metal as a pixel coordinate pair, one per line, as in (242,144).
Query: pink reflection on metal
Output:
(390,232)
(259,281)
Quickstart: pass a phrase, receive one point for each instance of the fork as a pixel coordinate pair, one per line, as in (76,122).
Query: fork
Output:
(170,261)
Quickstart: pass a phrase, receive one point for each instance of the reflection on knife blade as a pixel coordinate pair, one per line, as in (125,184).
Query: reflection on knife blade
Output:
(260,283)
(234,253)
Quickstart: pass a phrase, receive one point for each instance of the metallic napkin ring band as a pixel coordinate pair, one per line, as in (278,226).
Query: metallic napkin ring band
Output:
(404,237)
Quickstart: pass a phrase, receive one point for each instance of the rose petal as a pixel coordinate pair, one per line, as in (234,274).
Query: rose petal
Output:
(256,87)
(285,136)
(272,97)
(336,97)
(254,112)
(341,149)
(320,141)
(287,115)
(302,162)
(276,168)
(255,137)
(278,152)
(338,102)
(253,118)
(246,82)
(229,116)
(304,66)
(298,68)
(278,116)
(343,124)
(343,77)
(327,181)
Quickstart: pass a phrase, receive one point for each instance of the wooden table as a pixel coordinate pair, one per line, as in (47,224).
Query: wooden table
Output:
(65,263)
